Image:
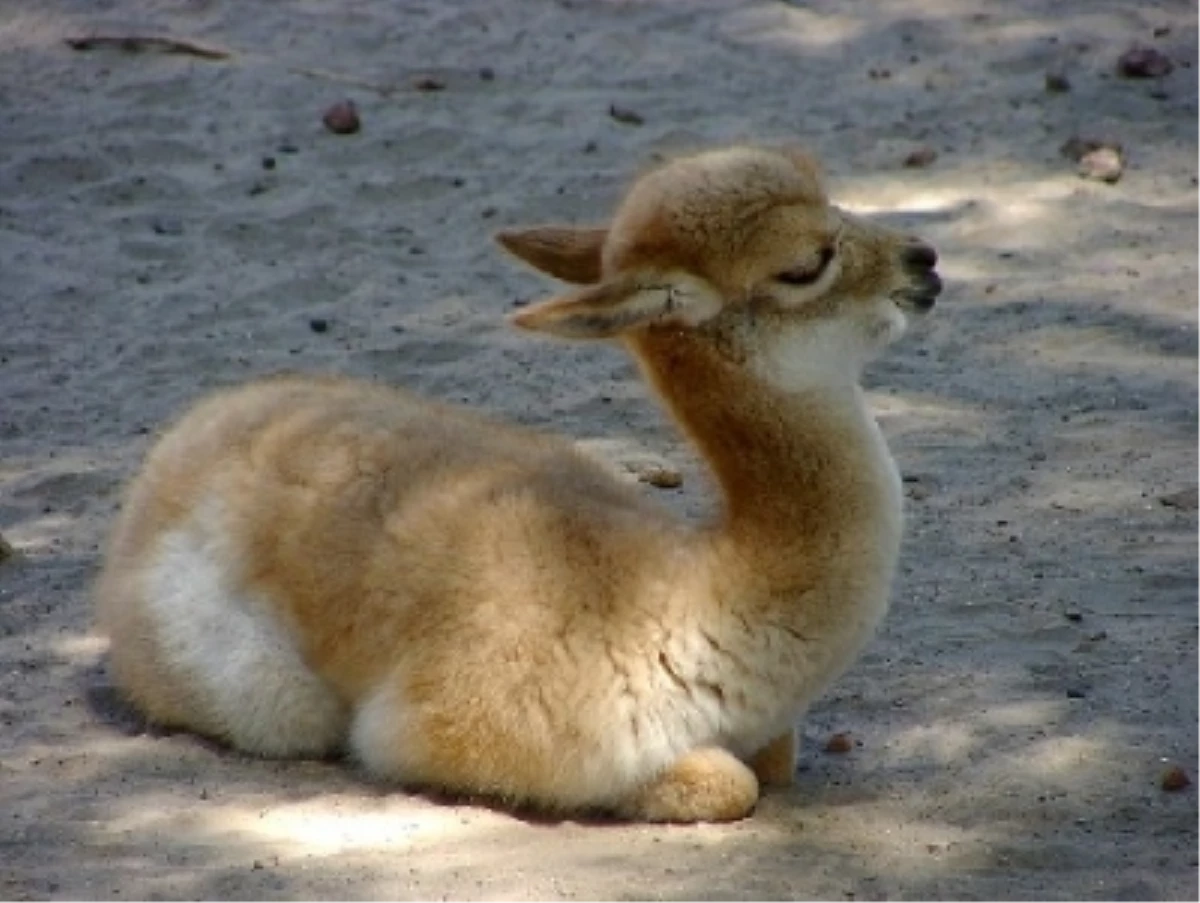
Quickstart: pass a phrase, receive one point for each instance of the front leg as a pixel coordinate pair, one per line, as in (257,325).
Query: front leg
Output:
(775,764)
(708,784)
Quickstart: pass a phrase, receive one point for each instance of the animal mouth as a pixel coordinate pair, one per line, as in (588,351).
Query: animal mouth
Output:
(921,292)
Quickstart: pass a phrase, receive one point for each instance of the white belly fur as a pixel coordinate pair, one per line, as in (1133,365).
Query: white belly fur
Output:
(257,691)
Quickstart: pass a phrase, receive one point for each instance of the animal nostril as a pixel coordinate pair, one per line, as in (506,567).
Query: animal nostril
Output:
(919,255)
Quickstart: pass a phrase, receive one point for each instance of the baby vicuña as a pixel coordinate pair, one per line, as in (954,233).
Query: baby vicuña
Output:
(311,565)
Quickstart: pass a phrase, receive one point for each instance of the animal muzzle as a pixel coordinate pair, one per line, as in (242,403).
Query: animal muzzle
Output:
(923,284)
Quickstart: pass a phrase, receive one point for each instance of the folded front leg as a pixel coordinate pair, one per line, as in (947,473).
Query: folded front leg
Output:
(708,784)
(775,763)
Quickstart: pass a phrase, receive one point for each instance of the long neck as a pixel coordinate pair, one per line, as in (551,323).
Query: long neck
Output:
(805,477)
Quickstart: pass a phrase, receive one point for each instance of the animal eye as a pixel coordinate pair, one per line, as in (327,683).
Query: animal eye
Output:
(806,275)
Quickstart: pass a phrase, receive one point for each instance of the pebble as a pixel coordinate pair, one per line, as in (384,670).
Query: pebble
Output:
(318,324)
(1183,500)
(1095,158)
(1174,779)
(1057,83)
(1104,164)
(429,83)
(920,158)
(1143,62)
(342,118)
(660,477)
(918,486)
(625,115)
(839,743)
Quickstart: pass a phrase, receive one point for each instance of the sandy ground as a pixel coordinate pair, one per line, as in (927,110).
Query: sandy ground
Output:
(169,224)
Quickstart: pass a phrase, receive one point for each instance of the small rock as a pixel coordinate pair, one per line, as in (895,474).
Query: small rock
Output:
(660,476)
(168,226)
(1104,164)
(318,324)
(1143,62)
(1174,778)
(625,115)
(487,74)
(839,743)
(288,148)
(342,118)
(1073,616)
(6,550)
(1076,693)
(1183,500)
(429,83)
(918,486)
(918,492)
(1057,83)
(920,158)
(268,162)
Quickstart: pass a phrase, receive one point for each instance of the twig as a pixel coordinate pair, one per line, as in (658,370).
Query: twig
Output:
(138,43)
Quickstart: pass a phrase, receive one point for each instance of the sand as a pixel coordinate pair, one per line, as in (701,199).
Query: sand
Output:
(171,223)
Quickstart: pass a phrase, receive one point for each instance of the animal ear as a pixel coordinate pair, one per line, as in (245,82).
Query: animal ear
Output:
(610,308)
(804,162)
(569,254)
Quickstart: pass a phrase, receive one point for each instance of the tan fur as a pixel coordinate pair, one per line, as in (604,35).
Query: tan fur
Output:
(775,764)
(311,564)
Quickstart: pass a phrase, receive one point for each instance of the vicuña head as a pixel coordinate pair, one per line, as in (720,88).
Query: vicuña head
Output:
(309,565)
(740,241)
